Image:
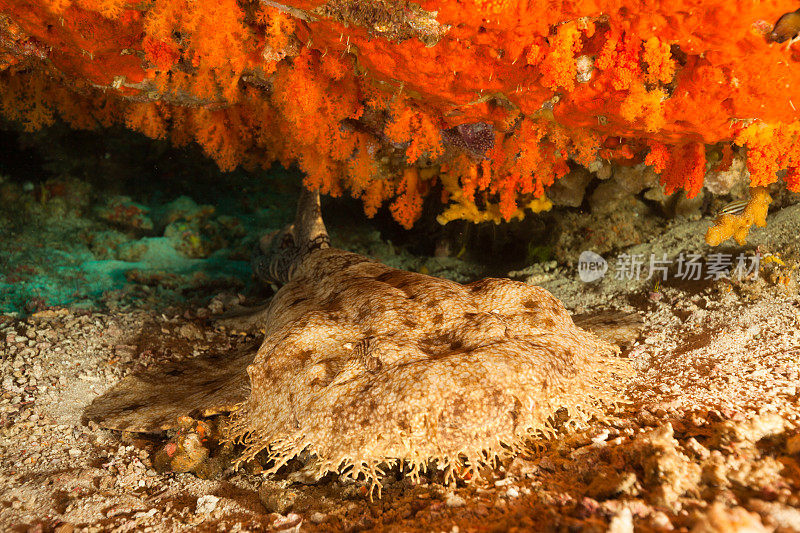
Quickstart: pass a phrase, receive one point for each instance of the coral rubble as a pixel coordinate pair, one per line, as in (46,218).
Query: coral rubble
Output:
(484,103)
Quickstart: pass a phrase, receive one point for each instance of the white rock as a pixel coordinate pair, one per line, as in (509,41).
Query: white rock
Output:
(454,500)
(206,504)
(622,522)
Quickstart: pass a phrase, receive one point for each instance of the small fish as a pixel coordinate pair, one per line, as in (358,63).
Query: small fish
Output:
(735,207)
(787,27)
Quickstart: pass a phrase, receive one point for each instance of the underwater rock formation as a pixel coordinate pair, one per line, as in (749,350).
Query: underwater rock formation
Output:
(485,103)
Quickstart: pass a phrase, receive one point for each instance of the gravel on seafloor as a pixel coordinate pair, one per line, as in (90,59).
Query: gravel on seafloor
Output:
(710,441)
(711,444)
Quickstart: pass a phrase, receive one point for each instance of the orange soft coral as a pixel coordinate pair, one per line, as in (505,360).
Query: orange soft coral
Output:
(620,57)
(361,166)
(312,107)
(558,67)
(162,53)
(681,167)
(356,99)
(212,36)
(108,8)
(407,208)
(644,105)
(413,127)
(147,119)
(278,26)
(657,56)
(220,133)
(769,149)
(25,101)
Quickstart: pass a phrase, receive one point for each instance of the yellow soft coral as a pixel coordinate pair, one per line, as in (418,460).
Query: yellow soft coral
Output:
(460,181)
(738,226)
(463,210)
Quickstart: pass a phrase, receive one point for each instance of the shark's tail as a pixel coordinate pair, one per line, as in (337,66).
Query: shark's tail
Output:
(278,254)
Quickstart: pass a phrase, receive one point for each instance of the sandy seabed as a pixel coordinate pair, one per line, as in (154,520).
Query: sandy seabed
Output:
(710,442)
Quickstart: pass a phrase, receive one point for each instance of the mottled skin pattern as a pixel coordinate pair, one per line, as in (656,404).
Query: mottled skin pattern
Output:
(277,255)
(364,365)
